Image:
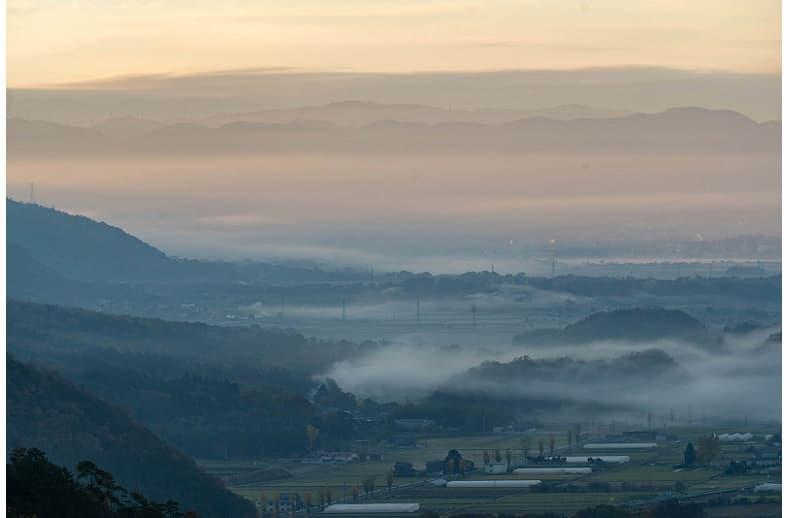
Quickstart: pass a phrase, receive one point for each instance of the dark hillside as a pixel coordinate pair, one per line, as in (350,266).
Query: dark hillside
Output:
(81,248)
(71,425)
(633,324)
(39,328)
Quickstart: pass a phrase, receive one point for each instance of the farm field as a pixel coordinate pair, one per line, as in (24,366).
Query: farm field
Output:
(650,475)
(311,478)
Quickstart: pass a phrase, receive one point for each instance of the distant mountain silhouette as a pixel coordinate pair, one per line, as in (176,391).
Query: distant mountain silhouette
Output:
(636,324)
(42,138)
(126,127)
(359,113)
(675,130)
(71,425)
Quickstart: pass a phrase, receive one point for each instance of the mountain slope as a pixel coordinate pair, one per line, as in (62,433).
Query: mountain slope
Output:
(71,425)
(50,245)
(38,328)
(81,248)
(212,392)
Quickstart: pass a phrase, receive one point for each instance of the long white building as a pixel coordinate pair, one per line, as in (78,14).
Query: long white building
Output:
(620,445)
(493,483)
(768,487)
(613,459)
(552,471)
(367,509)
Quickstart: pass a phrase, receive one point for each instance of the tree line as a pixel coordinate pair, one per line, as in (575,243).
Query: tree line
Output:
(38,488)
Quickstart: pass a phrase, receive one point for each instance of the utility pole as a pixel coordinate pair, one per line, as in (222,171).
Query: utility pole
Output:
(32,193)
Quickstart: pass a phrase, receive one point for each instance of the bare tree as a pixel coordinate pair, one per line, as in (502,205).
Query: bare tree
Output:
(312,435)
(525,447)
(276,503)
(369,485)
(708,448)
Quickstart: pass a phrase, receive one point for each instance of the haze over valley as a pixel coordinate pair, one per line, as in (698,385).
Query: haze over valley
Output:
(393,187)
(435,258)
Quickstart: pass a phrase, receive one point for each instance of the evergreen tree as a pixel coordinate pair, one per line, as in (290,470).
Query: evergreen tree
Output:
(690,455)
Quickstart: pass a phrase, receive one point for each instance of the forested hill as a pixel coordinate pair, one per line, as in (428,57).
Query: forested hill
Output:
(628,368)
(211,392)
(635,324)
(631,324)
(82,249)
(40,329)
(45,412)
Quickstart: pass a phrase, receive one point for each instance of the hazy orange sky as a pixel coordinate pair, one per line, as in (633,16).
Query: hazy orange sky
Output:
(52,42)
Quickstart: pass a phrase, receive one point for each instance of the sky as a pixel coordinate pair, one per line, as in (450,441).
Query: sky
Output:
(54,42)
(86,62)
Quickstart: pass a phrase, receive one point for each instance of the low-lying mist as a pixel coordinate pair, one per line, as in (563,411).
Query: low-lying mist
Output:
(738,378)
